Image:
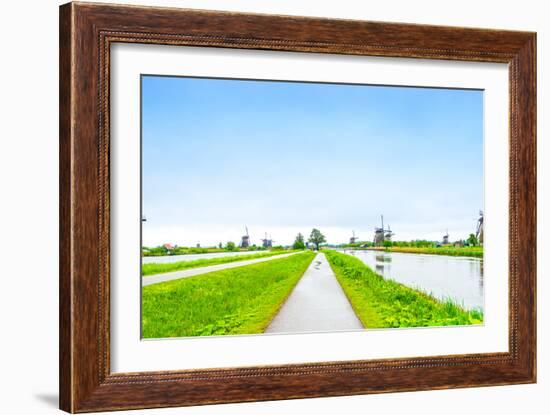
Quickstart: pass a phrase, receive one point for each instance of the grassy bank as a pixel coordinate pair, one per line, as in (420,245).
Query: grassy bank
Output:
(161,268)
(381,303)
(474,251)
(180,250)
(234,301)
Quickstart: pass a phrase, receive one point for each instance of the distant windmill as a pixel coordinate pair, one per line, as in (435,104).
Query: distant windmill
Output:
(267,243)
(446,238)
(353,239)
(381,234)
(388,234)
(245,240)
(479,230)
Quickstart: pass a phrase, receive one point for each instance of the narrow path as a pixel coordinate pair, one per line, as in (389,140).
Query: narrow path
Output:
(317,303)
(176,275)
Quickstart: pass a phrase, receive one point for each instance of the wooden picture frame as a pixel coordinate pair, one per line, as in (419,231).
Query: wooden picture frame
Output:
(86,33)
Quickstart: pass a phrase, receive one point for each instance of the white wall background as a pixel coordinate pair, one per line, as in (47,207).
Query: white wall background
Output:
(29,207)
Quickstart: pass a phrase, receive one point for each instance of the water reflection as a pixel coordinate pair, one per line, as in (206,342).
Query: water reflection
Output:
(457,278)
(383,258)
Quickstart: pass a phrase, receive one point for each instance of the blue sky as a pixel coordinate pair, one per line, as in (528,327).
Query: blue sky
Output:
(283,157)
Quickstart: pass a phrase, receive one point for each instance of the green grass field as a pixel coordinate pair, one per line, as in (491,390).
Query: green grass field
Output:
(234,301)
(381,303)
(158,268)
(160,251)
(469,251)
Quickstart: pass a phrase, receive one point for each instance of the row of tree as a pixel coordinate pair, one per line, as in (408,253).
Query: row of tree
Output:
(315,237)
(417,243)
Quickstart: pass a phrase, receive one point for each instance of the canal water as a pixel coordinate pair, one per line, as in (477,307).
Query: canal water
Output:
(444,277)
(191,257)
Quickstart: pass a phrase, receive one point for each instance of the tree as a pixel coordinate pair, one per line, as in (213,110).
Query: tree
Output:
(472,240)
(299,242)
(316,237)
(230,246)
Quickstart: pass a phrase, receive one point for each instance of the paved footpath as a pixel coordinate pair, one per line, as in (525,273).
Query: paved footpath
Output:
(317,303)
(176,275)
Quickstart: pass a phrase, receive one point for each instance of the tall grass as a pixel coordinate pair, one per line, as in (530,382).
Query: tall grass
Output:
(161,268)
(381,303)
(234,301)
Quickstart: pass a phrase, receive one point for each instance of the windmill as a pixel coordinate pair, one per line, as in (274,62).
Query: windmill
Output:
(479,230)
(353,239)
(388,234)
(381,234)
(267,243)
(446,238)
(245,240)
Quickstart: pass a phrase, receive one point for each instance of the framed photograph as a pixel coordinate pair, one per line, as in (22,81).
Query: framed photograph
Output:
(259,207)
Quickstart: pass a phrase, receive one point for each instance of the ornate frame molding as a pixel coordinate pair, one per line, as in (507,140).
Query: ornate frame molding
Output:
(86,33)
